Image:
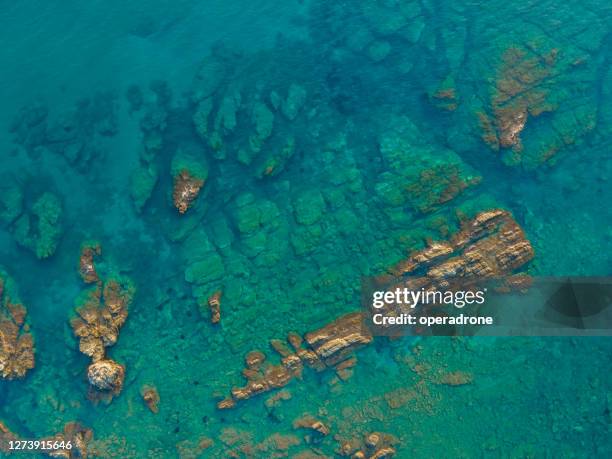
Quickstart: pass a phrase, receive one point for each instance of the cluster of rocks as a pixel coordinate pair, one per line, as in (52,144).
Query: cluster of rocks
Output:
(100,315)
(74,434)
(326,347)
(500,90)
(489,246)
(16,341)
(375,445)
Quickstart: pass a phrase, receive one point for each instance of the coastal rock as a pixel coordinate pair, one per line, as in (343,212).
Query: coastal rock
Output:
(186,190)
(263,121)
(337,340)
(78,436)
(189,170)
(318,428)
(489,247)
(11,200)
(329,346)
(296,98)
(374,445)
(16,342)
(87,268)
(76,133)
(309,207)
(209,77)
(6,436)
(106,376)
(100,317)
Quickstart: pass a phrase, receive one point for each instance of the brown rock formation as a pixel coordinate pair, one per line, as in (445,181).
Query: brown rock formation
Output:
(490,246)
(329,346)
(100,318)
(6,436)
(317,429)
(487,252)
(214,305)
(74,433)
(106,379)
(151,398)
(520,91)
(87,268)
(186,190)
(438,185)
(78,436)
(16,342)
(375,445)
(337,340)
(97,324)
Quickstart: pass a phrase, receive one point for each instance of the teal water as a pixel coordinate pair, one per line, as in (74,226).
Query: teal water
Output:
(310,122)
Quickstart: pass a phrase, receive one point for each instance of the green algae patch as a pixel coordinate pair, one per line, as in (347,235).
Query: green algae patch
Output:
(11,201)
(192,161)
(142,185)
(418,175)
(309,207)
(40,229)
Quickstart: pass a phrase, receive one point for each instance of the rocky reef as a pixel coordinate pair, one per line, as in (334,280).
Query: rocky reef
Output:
(489,246)
(74,434)
(79,437)
(16,341)
(248,200)
(416,174)
(375,445)
(101,313)
(327,347)
(189,175)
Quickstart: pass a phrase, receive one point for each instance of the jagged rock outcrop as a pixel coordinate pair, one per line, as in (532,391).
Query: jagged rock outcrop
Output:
(490,246)
(327,347)
(16,341)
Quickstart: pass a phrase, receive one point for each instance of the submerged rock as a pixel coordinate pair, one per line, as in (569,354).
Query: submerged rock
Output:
(214,305)
(151,398)
(41,228)
(328,346)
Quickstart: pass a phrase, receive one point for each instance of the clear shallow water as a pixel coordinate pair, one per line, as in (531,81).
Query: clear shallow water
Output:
(290,257)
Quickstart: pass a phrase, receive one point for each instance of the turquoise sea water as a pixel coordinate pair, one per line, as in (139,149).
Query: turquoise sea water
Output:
(312,123)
